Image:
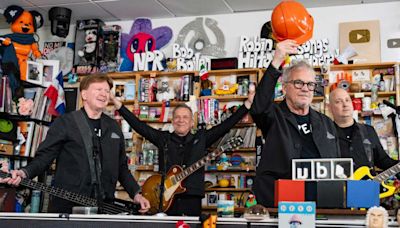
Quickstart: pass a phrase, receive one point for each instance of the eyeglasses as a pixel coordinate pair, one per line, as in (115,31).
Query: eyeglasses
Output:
(298,84)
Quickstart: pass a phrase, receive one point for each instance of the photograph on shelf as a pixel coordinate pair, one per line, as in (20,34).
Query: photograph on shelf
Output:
(119,89)
(51,68)
(71,94)
(34,73)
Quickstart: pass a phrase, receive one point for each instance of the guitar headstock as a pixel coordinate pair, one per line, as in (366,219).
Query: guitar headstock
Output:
(232,143)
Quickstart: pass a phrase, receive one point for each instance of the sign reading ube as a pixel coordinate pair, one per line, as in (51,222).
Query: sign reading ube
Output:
(322,169)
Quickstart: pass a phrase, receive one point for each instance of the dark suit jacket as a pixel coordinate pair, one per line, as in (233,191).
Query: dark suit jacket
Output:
(65,144)
(283,141)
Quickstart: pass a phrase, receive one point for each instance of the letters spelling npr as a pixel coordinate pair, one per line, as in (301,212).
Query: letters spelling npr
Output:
(322,169)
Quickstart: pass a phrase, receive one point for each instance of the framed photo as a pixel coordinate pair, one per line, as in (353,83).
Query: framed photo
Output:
(51,68)
(34,73)
(71,94)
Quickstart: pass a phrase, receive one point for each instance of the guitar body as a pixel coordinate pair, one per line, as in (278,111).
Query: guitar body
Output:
(151,189)
(363,173)
(174,178)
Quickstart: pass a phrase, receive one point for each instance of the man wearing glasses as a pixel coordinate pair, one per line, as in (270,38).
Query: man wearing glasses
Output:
(291,129)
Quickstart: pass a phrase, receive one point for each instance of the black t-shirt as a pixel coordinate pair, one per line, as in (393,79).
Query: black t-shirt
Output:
(351,145)
(309,149)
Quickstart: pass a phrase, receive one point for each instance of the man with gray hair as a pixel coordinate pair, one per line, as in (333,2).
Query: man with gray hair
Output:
(291,129)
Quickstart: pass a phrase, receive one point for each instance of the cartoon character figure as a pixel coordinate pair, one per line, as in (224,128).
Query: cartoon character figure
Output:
(88,52)
(20,44)
(377,217)
(295,221)
(142,38)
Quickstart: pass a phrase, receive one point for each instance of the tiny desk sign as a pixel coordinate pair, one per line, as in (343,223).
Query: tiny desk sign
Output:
(296,214)
(322,169)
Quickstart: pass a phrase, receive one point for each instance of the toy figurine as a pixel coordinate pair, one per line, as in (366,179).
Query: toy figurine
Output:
(377,217)
(223,163)
(164,92)
(20,44)
(295,221)
(88,52)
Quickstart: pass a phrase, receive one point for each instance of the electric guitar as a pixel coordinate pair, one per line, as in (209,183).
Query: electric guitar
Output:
(364,172)
(175,176)
(119,207)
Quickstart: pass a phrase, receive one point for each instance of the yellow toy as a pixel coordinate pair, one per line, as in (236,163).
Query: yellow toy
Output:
(227,89)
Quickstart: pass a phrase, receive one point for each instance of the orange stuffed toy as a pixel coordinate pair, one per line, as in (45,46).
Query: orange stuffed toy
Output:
(21,43)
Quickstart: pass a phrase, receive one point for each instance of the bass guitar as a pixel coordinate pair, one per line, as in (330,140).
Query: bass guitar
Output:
(119,207)
(175,176)
(363,173)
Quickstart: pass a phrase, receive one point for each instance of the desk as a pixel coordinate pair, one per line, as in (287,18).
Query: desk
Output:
(33,220)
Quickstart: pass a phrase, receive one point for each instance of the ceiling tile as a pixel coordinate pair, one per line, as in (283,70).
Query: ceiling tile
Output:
(253,5)
(56,2)
(84,11)
(195,7)
(22,3)
(129,10)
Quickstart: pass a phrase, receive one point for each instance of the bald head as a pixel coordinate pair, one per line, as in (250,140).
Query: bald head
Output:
(341,107)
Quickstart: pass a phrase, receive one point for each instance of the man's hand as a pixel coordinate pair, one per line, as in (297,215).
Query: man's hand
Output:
(144,203)
(250,98)
(282,50)
(117,103)
(16,175)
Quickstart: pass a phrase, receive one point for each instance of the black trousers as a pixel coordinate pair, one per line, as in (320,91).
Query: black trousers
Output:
(186,205)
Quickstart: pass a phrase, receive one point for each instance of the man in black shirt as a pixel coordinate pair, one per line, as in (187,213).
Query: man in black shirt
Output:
(291,129)
(184,148)
(89,150)
(357,141)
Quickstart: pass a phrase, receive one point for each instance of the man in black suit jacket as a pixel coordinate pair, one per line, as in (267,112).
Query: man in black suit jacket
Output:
(292,129)
(89,150)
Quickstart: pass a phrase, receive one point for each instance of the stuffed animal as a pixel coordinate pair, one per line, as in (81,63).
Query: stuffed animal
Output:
(20,44)
(88,52)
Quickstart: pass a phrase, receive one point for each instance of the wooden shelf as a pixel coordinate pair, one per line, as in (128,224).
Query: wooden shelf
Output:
(23,118)
(380,94)
(122,75)
(225,97)
(233,71)
(144,168)
(214,208)
(361,66)
(15,156)
(228,189)
(165,73)
(231,171)
(239,150)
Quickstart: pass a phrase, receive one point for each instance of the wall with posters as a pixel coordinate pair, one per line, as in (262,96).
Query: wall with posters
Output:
(233,26)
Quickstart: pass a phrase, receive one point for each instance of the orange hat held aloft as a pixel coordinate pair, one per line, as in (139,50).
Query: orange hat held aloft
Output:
(290,20)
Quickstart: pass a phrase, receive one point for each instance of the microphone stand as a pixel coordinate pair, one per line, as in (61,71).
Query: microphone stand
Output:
(162,157)
(98,187)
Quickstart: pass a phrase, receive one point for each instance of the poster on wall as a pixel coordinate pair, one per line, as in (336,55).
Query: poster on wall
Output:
(364,36)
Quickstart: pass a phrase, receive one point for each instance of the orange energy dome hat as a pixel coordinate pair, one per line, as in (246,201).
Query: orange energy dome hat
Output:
(290,20)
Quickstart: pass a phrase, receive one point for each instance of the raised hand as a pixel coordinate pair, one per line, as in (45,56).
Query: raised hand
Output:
(117,103)
(282,50)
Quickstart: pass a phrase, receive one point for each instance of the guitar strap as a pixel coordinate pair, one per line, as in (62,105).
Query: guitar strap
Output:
(87,136)
(366,144)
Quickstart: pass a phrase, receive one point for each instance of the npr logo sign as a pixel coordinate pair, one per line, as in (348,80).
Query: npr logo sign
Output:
(322,169)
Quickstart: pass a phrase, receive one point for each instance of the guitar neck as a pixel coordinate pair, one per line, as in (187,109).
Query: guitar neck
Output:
(69,196)
(197,165)
(60,193)
(387,173)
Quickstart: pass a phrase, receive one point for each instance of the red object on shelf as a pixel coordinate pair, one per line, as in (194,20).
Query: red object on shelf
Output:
(289,190)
